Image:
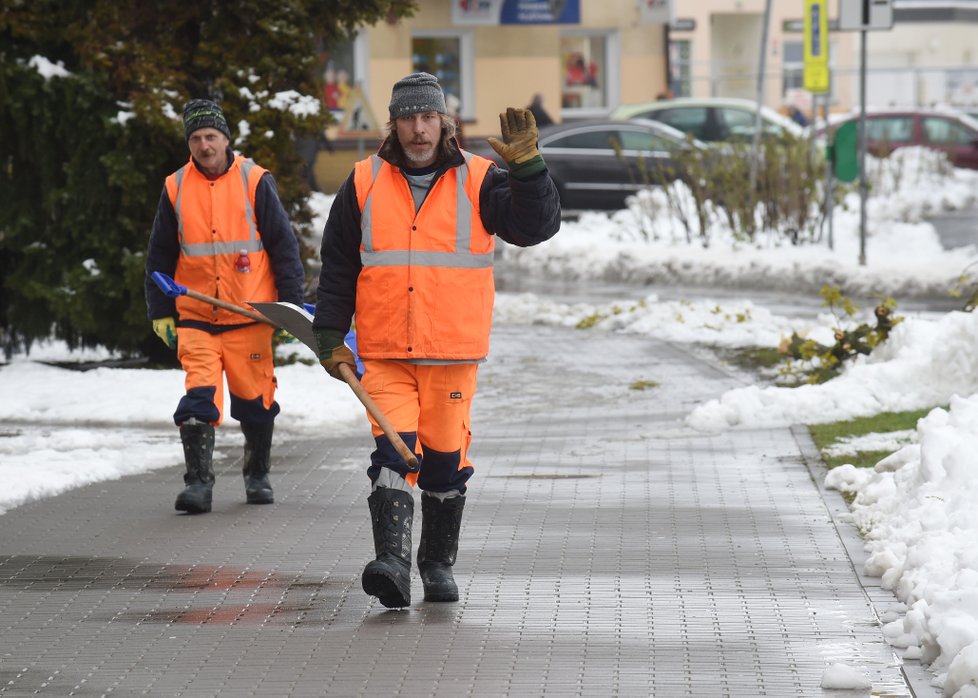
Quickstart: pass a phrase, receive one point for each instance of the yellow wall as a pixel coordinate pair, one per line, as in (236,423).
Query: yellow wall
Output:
(512,63)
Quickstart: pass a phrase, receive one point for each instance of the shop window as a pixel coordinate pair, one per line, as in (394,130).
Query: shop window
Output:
(343,68)
(680,68)
(449,58)
(585,72)
(793,67)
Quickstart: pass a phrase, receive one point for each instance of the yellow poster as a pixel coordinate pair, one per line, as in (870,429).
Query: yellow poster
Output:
(816,45)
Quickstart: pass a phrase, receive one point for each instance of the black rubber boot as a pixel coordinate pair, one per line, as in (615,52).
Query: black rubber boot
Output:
(440,524)
(198,452)
(257,461)
(389,576)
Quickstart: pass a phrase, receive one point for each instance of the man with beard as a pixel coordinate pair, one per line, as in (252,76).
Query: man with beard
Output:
(408,247)
(220,229)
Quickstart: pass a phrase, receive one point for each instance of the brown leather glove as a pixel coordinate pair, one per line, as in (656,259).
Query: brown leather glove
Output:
(333,352)
(519,143)
(339,355)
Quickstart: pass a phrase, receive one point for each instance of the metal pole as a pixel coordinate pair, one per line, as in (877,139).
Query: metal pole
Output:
(829,180)
(863,185)
(665,41)
(756,146)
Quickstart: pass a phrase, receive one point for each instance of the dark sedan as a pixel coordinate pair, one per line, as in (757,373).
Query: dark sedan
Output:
(596,164)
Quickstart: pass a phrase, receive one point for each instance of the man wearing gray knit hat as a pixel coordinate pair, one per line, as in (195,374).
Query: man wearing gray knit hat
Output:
(418,92)
(408,247)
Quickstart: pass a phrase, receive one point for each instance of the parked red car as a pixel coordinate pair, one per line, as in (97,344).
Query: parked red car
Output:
(954,133)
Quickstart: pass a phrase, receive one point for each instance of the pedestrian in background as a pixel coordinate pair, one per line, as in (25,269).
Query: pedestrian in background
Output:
(221,230)
(539,113)
(408,248)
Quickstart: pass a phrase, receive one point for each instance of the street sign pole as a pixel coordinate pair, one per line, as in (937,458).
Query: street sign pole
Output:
(863,15)
(816,77)
(758,125)
(863,185)
(829,180)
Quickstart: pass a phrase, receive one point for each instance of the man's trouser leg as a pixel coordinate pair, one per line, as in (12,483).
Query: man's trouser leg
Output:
(245,355)
(249,364)
(197,414)
(429,406)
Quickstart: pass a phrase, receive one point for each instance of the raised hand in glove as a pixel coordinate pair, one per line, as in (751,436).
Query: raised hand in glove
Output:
(333,352)
(166,329)
(519,144)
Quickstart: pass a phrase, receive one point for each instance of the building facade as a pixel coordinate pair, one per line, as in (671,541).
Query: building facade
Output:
(586,57)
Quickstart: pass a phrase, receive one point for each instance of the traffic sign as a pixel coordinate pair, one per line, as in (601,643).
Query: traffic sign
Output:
(865,15)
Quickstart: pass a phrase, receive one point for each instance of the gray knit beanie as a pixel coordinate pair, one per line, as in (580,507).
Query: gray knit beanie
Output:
(418,92)
(203,113)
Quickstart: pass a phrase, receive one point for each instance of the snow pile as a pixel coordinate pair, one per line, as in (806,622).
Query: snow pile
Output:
(919,514)
(922,364)
(636,247)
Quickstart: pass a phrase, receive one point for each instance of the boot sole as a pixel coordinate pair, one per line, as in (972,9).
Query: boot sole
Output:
(260,498)
(384,587)
(441,596)
(191,508)
(196,499)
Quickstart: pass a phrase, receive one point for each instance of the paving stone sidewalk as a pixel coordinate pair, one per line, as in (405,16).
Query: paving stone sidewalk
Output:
(607,550)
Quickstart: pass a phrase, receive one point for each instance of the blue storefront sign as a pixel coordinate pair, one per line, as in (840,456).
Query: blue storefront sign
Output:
(494,12)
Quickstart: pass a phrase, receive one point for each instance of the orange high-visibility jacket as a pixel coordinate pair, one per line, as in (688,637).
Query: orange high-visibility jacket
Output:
(215,221)
(426,288)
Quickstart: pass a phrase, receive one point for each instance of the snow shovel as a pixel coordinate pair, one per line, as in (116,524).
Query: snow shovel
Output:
(298,322)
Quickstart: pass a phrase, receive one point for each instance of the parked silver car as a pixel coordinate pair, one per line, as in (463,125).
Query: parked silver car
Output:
(712,119)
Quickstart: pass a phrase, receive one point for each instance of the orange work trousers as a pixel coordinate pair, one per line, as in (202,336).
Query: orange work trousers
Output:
(245,356)
(429,407)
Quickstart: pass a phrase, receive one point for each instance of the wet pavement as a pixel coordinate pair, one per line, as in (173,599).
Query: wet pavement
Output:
(607,550)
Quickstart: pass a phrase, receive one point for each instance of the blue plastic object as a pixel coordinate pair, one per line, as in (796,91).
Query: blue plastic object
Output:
(310,308)
(351,341)
(169,287)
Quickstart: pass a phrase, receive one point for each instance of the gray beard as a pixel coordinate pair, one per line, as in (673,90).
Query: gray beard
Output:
(414,158)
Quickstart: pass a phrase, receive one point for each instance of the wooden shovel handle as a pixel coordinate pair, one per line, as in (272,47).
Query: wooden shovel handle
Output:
(345,371)
(389,431)
(230,306)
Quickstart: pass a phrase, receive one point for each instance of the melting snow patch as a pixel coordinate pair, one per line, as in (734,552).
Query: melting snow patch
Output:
(845,677)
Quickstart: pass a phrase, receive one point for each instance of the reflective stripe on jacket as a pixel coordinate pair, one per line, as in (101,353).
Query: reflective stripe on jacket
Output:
(426,288)
(215,222)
